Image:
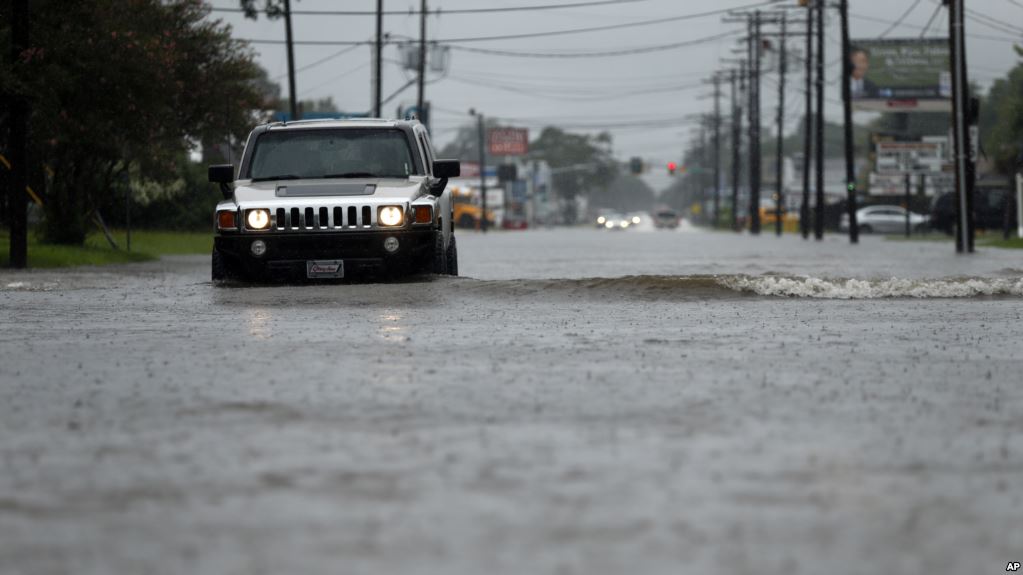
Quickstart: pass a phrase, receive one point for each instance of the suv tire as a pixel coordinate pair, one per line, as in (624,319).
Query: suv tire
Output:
(452,257)
(440,255)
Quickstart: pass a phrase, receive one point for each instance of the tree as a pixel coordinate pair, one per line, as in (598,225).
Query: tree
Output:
(585,163)
(1001,120)
(125,85)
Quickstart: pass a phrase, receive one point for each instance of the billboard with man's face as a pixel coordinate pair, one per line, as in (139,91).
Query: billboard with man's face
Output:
(900,73)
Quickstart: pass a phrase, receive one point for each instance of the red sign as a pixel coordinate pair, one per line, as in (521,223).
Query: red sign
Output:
(508,141)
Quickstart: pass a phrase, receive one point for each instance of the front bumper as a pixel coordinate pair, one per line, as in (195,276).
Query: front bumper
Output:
(362,252)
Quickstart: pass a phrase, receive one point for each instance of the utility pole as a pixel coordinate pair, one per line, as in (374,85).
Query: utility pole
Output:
(378,61)
(18,139)
(754,120)
(818,221)
(483,168)
(804,207)
(295,112)
(779,167)
(422,65)
(960,102)
(850,166)
(736,148)
(717,150)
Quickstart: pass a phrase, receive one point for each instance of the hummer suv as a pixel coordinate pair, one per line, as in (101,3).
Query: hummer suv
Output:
(330,198)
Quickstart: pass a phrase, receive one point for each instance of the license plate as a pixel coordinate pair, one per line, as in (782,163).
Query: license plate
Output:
(324,269)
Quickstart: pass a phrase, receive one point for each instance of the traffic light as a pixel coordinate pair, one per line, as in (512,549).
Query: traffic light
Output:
(636,166)
(672,166)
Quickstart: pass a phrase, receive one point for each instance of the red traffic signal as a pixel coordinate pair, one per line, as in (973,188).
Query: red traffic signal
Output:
(672,166)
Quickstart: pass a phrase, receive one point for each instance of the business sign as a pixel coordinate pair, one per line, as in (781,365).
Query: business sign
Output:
(896,157)
(909,74)
(508,141)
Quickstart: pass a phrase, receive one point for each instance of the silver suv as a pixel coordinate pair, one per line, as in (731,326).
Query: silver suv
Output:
(330,198)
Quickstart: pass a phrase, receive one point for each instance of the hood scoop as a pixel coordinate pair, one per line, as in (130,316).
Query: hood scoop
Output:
(333,189)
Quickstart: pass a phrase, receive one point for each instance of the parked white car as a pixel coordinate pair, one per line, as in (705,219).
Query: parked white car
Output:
(884,220)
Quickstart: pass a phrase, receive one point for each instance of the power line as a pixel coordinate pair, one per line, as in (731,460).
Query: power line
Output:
(337,54)
(596,54)
(992,23)
(977,36)
(566,32)
(440,12)
(901,19)
(937,10)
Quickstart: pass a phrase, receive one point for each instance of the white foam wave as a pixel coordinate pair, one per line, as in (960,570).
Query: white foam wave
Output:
(873,289)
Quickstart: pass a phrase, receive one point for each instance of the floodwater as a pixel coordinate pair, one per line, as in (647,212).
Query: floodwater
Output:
(578,402)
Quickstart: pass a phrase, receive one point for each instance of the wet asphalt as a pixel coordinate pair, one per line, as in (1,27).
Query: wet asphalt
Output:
(577,402)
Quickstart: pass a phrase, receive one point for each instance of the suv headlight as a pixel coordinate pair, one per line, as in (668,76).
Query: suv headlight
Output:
(257,219)
(390,216)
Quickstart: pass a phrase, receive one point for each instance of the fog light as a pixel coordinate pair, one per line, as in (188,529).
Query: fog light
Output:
(258,248)
(391,244)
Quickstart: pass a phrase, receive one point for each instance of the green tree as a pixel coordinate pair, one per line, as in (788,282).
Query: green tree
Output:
(581,163)
(1001,120)
(123,87)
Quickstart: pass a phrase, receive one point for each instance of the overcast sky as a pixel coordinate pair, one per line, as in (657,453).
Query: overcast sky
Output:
(655,89)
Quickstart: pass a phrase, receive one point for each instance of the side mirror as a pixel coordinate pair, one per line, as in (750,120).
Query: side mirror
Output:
(445,169)
(220,174)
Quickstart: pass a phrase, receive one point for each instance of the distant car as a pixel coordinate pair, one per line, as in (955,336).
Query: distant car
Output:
(988,211)
(617,222)
(666,219)
(884,220)
(602,217)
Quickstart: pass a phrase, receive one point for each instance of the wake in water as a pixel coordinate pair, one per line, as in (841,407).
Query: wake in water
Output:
(873,289)
(698,287)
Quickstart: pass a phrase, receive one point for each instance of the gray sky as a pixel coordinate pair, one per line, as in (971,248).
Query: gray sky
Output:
(653,88)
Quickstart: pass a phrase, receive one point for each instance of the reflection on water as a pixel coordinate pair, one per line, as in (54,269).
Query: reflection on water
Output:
(259,323)
(391,328)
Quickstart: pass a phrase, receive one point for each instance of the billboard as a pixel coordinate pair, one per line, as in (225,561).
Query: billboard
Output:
(508,141)
(901,74)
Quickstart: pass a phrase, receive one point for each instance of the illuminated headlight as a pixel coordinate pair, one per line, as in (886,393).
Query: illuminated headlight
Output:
(391,244)
(390,216)
(609,224)
(601,220)
(635,219)
(624,224)
(257,219)
(258,248)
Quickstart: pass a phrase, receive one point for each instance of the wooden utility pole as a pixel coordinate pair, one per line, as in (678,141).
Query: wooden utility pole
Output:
(378,63)
(804,207)
(754,119)
(961,132)
(736,147)
(17,201)
(850,165)
(818,220)
(295,112)
(422,61)
(717,150)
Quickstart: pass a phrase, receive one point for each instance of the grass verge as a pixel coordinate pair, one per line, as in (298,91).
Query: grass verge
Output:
(146,245)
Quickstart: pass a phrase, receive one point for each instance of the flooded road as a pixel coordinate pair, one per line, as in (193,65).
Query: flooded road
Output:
(580,402)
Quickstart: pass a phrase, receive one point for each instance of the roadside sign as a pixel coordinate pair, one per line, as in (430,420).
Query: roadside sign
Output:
(508,141)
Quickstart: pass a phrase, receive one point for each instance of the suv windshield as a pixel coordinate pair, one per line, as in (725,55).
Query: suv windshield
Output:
(326,153)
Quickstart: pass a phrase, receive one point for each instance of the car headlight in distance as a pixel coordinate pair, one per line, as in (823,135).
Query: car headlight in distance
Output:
(257,219)
(609,224)
(625,224)
(601,220)
(635,219)
(390,216)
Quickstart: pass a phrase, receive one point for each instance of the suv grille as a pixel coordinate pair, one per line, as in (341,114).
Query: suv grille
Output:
(324,218)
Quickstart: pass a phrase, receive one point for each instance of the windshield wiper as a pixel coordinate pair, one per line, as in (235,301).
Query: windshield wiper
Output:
(280,177)
(351,175)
